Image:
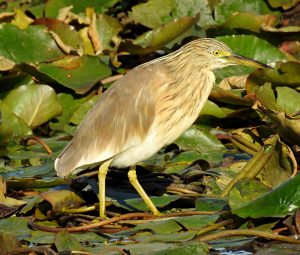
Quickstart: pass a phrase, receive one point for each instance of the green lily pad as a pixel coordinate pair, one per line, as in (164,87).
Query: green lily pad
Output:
(283,74)
(37,45)
(210,204)
(192,8)
(226,8)
(73,112)
(187,249)
(288,126)
(11,126)
(67,34)
(16,226)
(138,204)
(181,161)
(31,171)
(153,13)
(64,241)
(233,97)
(77,73)
(53,7)
(34,104)
(8,242)
(196,222)
(249,21)
(159,37)
(280,167)
(30,183)
(210,108)
(168,238)
(108,27)
(167,226)
(203,142)
(246,190)
(283,200)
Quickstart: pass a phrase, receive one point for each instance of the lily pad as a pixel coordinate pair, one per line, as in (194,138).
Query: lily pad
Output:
(225,8)
(288,126)
(77,73)
(203,142)
(34,104)
(192,8)
(67,34)
(138,204)
(107,27)
(53,7)
(73,112)
(11,126)
(196,222)
(37,45)
(159,37)
(62,199)
(283,74)
(282,201)
(153,13)
(64,241)
(249,21)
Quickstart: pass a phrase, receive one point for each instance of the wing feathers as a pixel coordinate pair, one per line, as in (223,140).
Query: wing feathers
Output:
(119,120)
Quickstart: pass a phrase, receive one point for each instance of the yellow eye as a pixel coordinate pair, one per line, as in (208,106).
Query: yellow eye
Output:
(216,53)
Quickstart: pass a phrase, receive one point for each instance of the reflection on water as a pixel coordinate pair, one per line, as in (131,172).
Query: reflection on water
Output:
(223,251)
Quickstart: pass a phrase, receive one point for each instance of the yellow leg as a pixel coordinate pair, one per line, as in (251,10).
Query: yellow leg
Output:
(101,178)
(135,183)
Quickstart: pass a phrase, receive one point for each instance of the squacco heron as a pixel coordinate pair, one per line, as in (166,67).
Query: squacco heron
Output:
(148,108)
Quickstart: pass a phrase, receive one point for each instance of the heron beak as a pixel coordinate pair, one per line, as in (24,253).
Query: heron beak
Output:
(241,60)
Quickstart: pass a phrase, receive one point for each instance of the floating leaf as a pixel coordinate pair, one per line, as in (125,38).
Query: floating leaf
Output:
(138,204)
(249,21)
(187,249)
(153,13)
(107,27)
(11,126)
(192,8)
(181,161)
(245,191)
(160,227)
(203,142)
(62,199)
(169,238)
(159,37)
(16,226)
(77,73)
(210,204)
(282,201)
(8,242)
(53,6)
(288,126)
(64,241)
(196,222)
(35,104)
(37,45)
(66,33)
(73,111)
(284,73)
(226,8)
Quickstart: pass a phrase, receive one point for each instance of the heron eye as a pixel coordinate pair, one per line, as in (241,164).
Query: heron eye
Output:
(216,53)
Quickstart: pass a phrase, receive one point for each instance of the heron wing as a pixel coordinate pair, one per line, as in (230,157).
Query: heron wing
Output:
(120,119)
